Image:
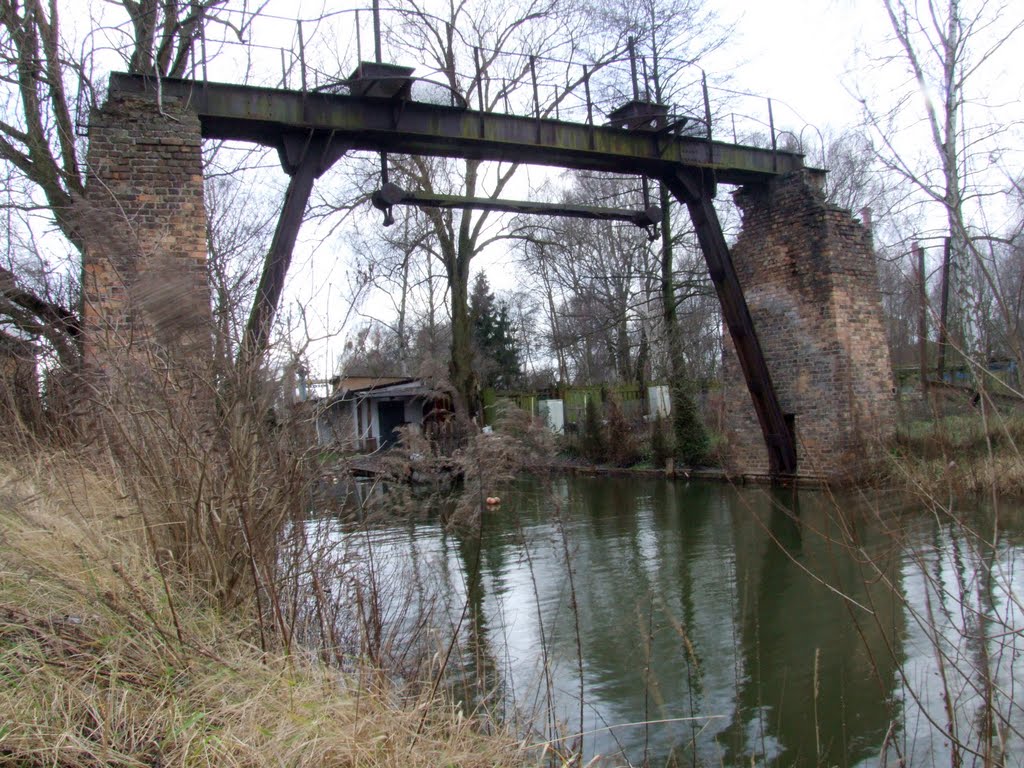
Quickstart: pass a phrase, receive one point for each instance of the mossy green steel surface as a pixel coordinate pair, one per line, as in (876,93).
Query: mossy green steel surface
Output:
(262,115)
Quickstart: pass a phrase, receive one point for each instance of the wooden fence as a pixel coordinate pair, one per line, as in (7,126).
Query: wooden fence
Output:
(630,397)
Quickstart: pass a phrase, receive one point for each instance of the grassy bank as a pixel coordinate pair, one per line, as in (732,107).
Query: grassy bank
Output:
(110,656)
(954,446)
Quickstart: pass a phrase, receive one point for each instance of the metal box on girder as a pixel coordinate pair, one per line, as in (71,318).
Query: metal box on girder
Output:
(383,81)
(639,115)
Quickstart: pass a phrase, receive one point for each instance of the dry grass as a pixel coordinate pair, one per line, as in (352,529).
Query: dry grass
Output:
(962,474)
(966,452)
(106,660)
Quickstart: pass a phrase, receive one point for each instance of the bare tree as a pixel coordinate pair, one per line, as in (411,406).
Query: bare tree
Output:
(941,134)
(690,30)
(371,351)
(598,280)
(397,265)
(48,92)
(487,54)
(241,216)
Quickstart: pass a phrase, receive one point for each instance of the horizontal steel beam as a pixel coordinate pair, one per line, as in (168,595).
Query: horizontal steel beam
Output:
(263,115)
(394,195)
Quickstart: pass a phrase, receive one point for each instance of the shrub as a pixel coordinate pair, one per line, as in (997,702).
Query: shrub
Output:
(592,438)
(622,449)
(661,442)
(691,437)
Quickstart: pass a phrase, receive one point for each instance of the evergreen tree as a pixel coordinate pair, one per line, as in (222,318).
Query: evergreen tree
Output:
(593,445)
(496,350)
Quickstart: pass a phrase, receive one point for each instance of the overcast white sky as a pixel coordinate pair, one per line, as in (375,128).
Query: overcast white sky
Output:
(798,52)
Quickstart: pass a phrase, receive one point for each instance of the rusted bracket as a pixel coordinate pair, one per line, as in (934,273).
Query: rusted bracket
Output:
(320,149)
(696,191)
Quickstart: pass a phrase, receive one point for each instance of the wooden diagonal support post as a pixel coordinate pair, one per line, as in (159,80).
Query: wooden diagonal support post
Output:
(697,193)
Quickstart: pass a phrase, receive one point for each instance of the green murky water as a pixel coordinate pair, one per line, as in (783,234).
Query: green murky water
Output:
(701,624)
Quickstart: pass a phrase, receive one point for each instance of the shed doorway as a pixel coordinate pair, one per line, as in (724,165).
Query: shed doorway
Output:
(391,415)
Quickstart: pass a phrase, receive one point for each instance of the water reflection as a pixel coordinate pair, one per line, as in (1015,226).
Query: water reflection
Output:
(742,626)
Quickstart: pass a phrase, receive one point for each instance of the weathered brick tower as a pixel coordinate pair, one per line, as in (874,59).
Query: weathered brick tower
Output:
(809,276)
(145,292)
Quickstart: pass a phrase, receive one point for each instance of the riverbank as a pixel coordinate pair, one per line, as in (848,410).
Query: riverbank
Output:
(966,452)
(946,446)
(112,657)
(561,464)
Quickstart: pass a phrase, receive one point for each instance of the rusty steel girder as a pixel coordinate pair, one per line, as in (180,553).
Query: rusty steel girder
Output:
(260,115)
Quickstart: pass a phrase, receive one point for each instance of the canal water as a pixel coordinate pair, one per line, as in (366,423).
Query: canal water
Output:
(648,622)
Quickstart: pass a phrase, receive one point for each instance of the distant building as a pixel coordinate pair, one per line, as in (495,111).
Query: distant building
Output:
(365,413)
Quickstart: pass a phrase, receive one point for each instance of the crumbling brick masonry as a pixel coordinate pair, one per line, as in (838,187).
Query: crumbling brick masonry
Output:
(145,290)
(809,275)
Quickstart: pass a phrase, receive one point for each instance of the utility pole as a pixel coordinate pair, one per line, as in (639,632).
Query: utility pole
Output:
(922,316)
(940,365)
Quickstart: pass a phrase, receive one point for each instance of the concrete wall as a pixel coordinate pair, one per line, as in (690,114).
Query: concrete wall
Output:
(145,291)
(809,275)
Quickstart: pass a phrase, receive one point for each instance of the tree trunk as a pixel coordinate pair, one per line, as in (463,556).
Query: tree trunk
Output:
(463,377)
(922,317)
(690,436)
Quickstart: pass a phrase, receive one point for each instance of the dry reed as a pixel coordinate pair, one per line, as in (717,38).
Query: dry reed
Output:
(107,659)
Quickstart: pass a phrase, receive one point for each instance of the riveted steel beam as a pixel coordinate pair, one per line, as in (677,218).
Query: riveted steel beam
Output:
(260,115)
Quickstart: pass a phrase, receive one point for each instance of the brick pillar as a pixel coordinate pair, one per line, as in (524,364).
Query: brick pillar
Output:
(809,275)
(145,292)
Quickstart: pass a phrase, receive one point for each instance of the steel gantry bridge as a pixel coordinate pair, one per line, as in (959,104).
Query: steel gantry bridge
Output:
(312,130)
